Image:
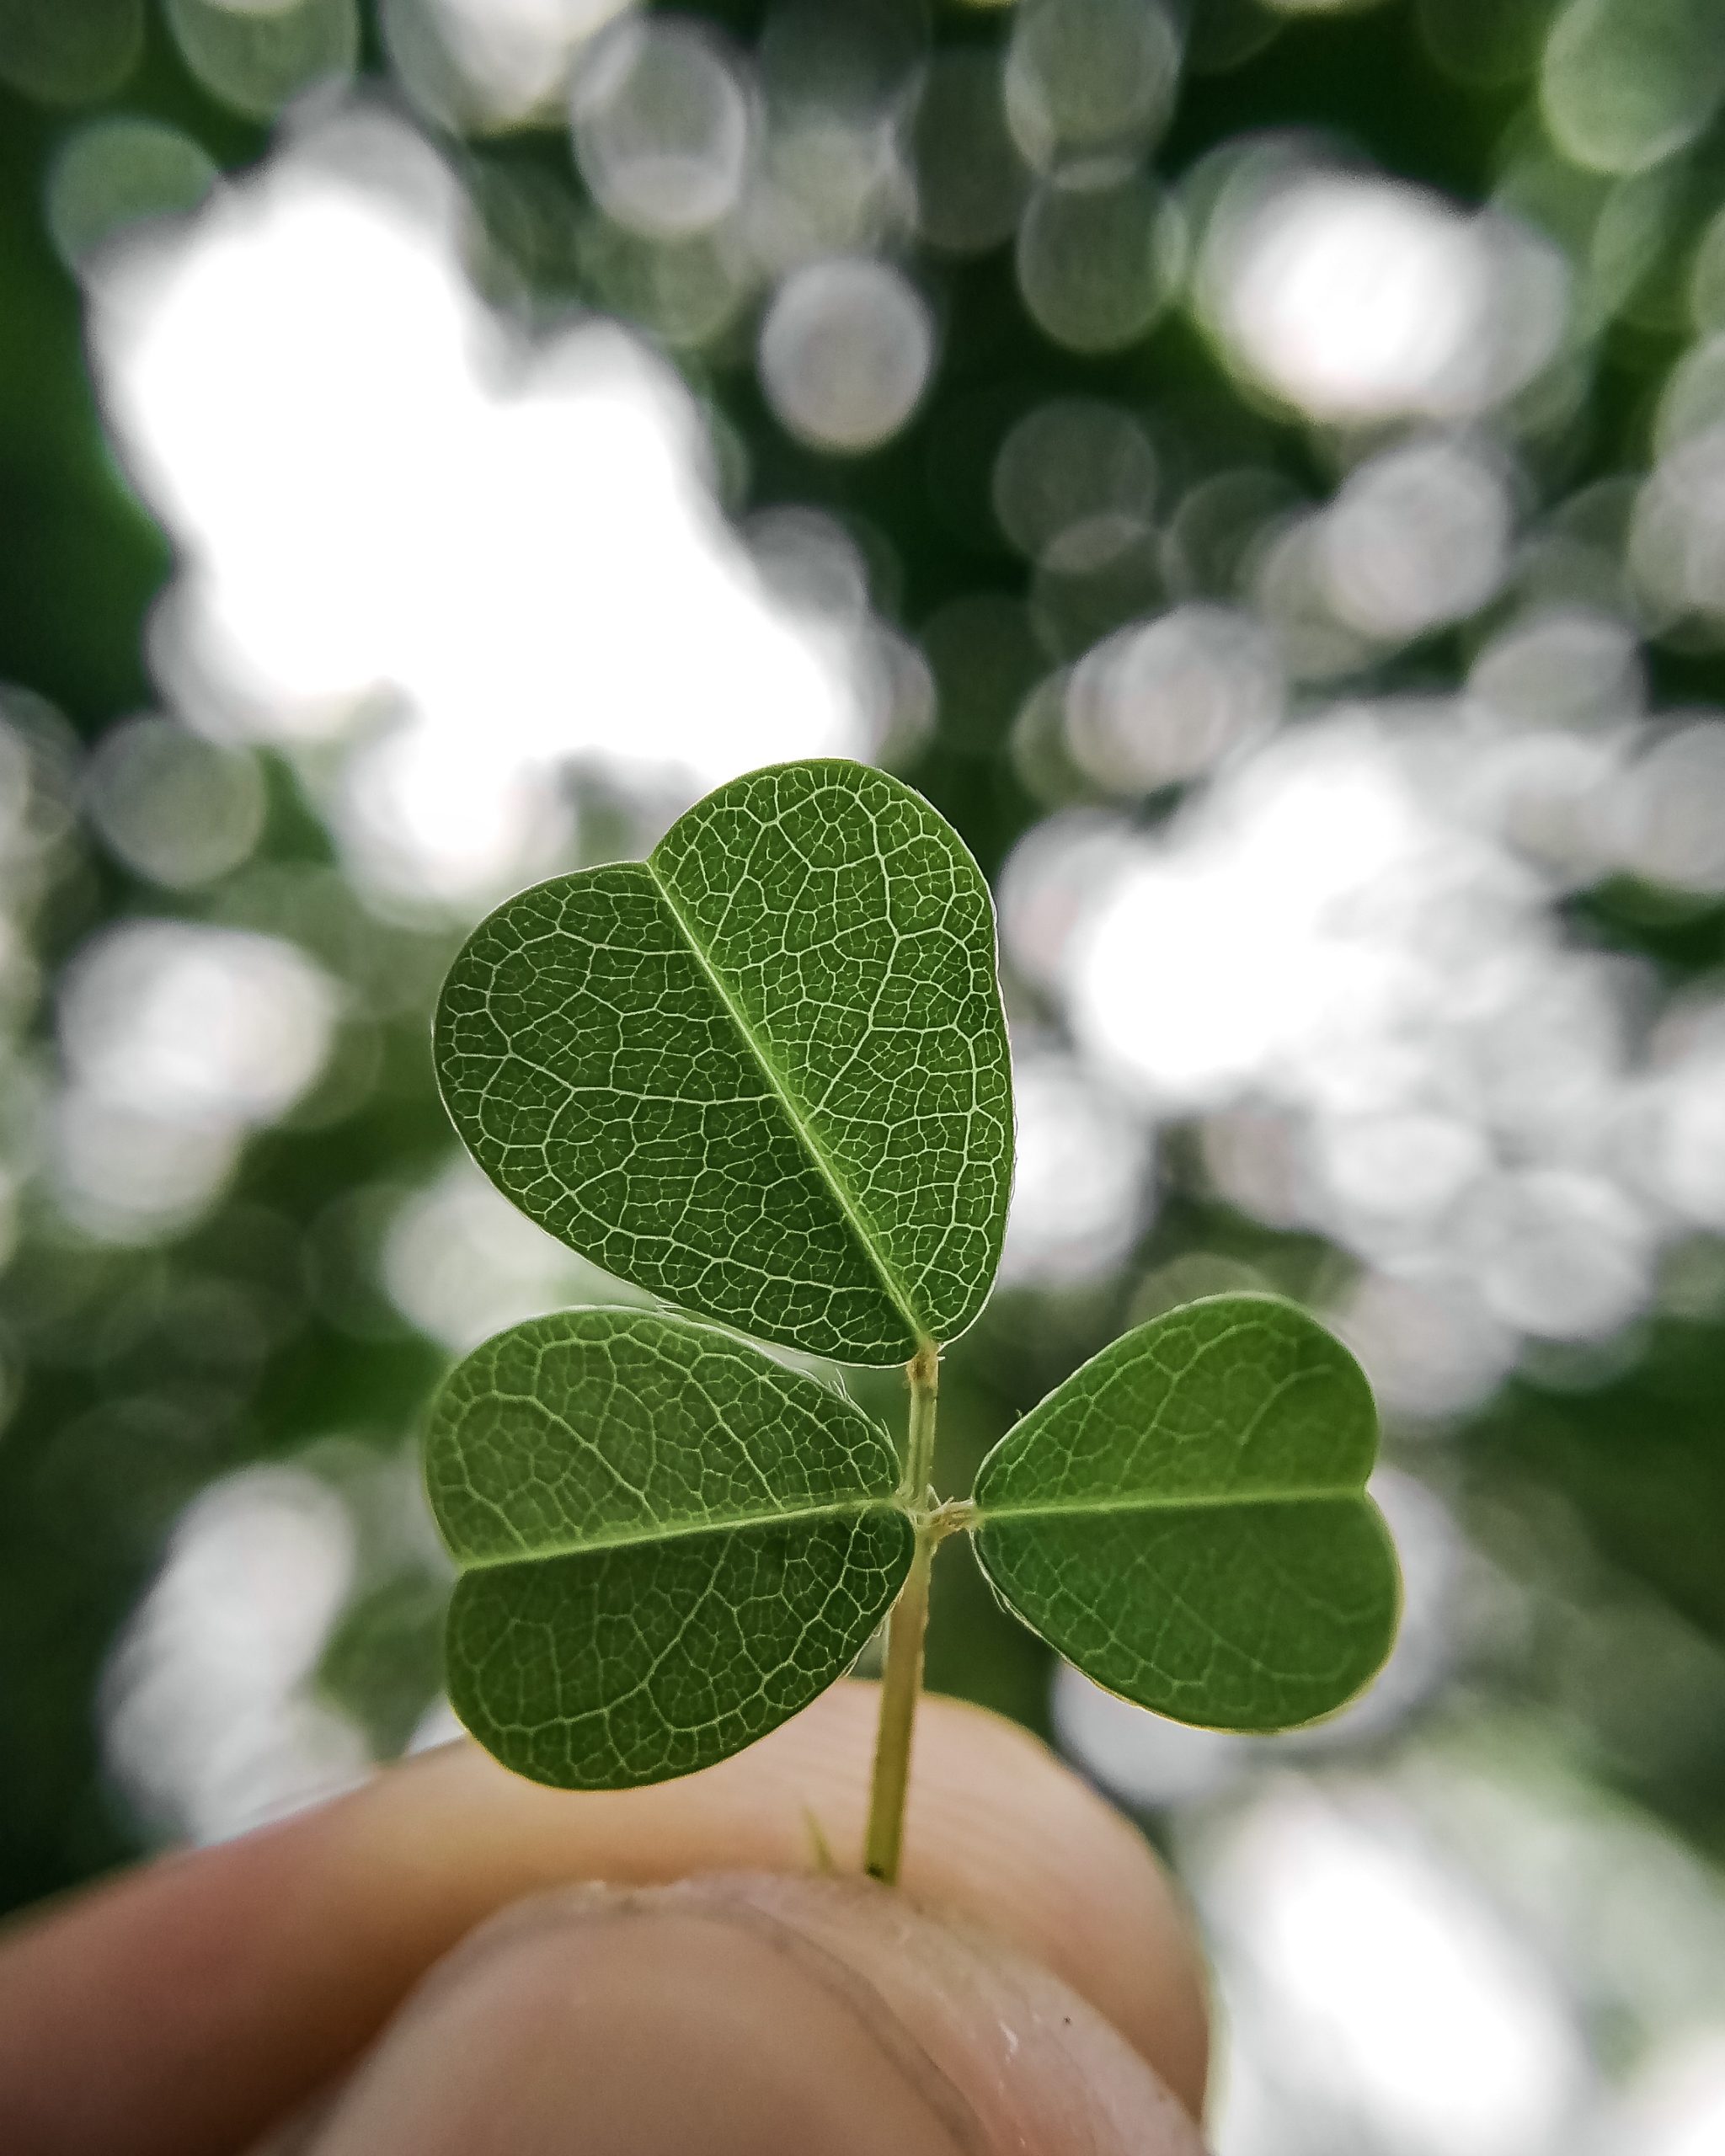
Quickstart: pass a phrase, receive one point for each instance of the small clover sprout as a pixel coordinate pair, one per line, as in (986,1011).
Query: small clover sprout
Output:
(764,1076)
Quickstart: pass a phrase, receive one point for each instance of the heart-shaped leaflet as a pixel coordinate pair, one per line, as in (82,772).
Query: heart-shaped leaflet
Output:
(763,1074)
(669,1543)
(1186,1519)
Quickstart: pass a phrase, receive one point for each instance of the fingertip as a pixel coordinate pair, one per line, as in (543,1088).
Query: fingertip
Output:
(999,1831)
(748,2014)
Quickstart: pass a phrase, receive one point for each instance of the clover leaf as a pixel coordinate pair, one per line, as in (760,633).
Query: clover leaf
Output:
(763,1073)
(1186,1518)
(669,1543)
(764,1076)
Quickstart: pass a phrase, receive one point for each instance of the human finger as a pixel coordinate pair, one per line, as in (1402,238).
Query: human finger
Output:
(751,2015)
(181,2008)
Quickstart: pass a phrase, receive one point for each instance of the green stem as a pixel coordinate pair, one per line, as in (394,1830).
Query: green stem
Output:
(901,1679)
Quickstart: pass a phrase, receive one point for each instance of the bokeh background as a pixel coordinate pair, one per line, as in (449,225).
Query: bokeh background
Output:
(1259,466)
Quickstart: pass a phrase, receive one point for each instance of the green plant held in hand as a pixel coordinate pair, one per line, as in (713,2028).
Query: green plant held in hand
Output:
(764,1076)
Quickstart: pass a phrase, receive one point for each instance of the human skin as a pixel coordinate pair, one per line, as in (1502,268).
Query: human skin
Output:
(451,1960)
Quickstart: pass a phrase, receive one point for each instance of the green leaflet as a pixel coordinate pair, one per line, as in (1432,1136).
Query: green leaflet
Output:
(669,1543)
(1185,1518)
(763,1074)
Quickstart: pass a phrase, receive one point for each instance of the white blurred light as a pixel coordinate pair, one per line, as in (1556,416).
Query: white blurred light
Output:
(1559,1254)
(1218,959)
(834,184)
(1085,77)
(1141,1758)
(1081,1190)
(1667,818)
(1254,1157)
(127,1176)
(16,790)
(810,563)
(116,172)
(1359,298)
(1677,536)
(178,1040)
(847,349)
(1073,481)
(662,126)
(438,1725)
(970,180)
(512,55)
(1217,525)
(1055,877)
(1342,956)
(1692,403)
(1549,795)
(1675,2106)
(39,759)
(461,1263)
(1157,704)
(815,572)
(899,697)
(1370,1981)
(1563,666)
(1683,1114)
(1096,256)
(1431,1347)
(174,1019)
(1417,537)
(1627,83)
(256,58)
(176,808)
(383,497)
(1628,1914)
(208,1726)
(1288,577)
(1404,1166)
(415,793)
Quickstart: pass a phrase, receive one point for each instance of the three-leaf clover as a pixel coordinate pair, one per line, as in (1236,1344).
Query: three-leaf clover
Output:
(764,1076)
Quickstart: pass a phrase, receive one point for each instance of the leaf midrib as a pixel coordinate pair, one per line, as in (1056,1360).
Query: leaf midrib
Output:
(1156,1502)
(677,1531)
(897,1293)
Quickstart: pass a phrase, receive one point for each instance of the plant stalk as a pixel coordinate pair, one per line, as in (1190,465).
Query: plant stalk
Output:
(901,1679)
